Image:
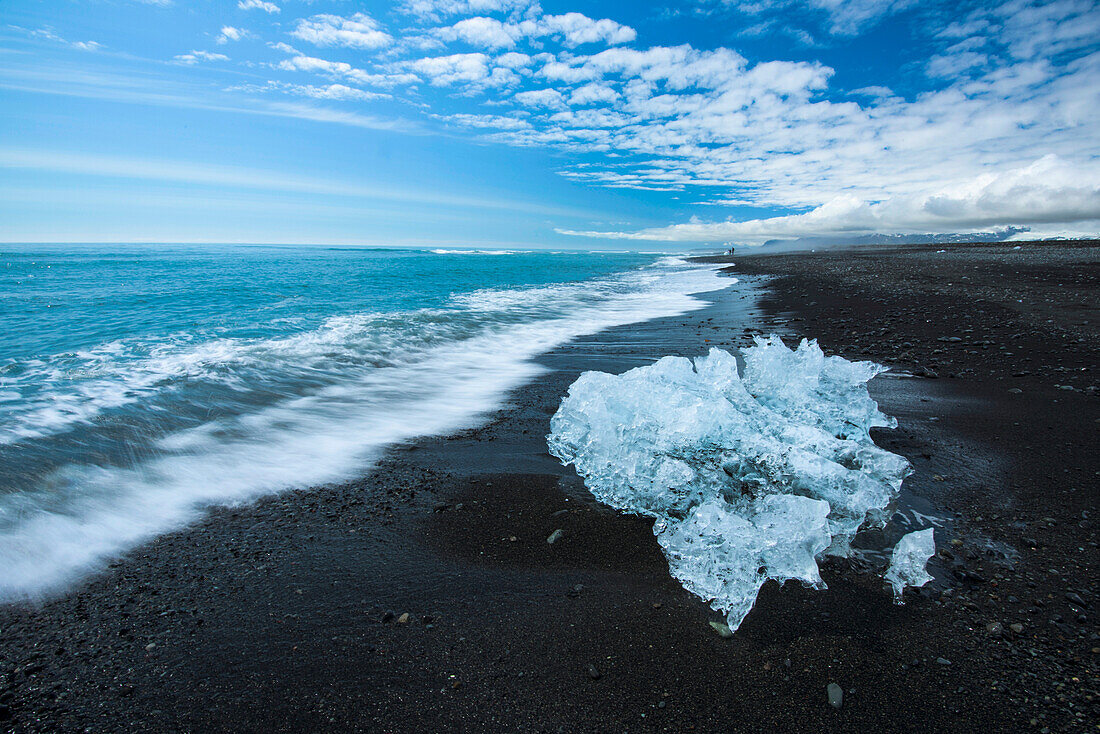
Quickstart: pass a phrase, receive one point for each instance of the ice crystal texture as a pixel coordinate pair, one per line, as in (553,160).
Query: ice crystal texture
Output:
(911,555)
(749,477)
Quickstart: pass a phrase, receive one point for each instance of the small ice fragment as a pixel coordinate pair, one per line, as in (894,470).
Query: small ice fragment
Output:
(911,554)
(835,694)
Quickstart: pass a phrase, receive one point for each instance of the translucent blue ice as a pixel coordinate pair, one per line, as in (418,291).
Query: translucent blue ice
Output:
(749,477)
(907,566)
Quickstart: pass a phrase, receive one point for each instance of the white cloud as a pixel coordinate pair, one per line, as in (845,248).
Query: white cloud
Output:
(541,98)
(357,31)
(593,94)
(482,32)
(229,33)
(513,60)
(259,5)
(49,34)
(495,122)
(576,29)
(442,70)
(842,17)
(572,29)
(1050,190)
(196,56)
(342,70)
(436,10)
(340,92)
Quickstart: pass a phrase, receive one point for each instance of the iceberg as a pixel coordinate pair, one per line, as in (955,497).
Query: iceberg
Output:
(748,477)
(907,565)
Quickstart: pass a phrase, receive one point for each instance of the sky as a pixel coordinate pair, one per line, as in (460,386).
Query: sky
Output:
(575,124)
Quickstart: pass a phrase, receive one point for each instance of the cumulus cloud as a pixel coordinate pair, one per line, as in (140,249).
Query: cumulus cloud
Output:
(473,69)
(592,94)
(572,29)
(198,56)
(541,98)
(357,31)
(1050,190)
(259,5)
(483,32)
(576,28)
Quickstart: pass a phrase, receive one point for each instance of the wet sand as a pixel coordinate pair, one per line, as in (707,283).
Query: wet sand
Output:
(287,615)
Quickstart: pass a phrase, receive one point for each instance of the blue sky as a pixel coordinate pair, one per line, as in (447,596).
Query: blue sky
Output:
(560,124)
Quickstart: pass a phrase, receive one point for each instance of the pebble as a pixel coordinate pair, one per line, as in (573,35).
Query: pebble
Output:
(555,536)
(835,694)
(403,619)
(1075,599)
(1017,628)
(593,672)
(722,629)
(943,661)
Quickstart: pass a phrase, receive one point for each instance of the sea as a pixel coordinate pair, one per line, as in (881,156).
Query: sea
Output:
(141,385)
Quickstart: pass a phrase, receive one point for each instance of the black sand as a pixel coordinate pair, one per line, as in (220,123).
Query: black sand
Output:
(286,615)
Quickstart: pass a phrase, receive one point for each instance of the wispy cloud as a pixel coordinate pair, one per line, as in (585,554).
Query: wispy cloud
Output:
(436,10)
(838,17)
(252,179)
(325,91)
(49,34)
(229,33)
(159,91)
(259,5)
(197,56)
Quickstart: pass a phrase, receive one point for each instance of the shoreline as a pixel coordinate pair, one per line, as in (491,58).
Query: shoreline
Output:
(277,615)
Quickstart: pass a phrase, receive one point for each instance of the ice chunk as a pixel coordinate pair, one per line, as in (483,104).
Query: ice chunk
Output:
(911,555)
(749,478)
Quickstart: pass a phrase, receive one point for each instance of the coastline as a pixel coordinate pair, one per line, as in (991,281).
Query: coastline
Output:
(270,616)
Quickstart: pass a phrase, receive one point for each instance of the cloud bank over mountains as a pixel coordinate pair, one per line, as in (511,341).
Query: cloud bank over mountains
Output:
(1000,131)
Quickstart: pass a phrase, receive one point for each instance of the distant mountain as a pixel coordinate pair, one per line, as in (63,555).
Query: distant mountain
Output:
(801,243)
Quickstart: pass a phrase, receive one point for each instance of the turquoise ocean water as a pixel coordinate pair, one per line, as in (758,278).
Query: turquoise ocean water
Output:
(140,384)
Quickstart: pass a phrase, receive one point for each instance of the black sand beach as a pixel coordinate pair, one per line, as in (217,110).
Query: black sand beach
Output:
(290,614)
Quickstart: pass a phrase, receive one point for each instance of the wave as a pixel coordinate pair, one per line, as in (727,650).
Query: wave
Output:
(442,251)
(301,410)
